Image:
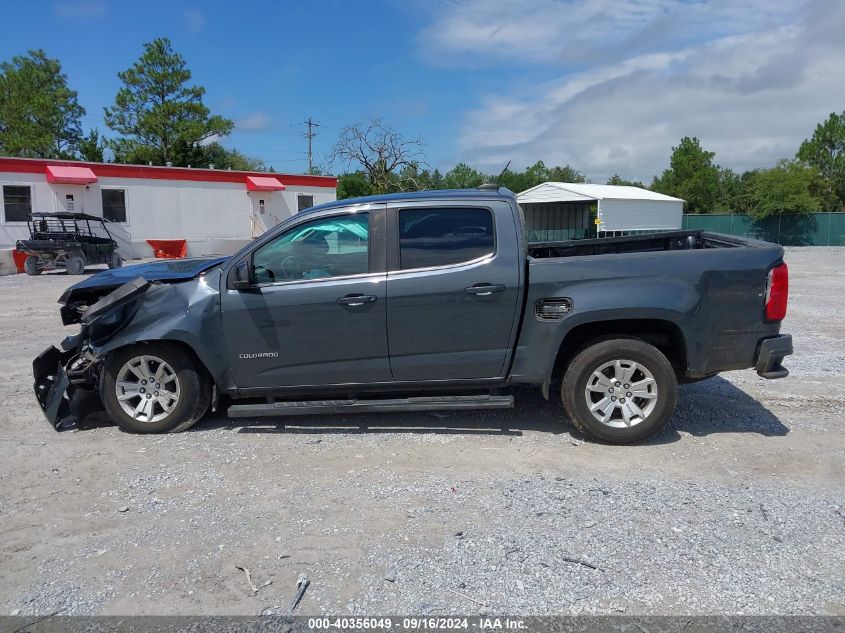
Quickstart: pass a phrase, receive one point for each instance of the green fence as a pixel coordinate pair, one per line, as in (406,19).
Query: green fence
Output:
(788,229)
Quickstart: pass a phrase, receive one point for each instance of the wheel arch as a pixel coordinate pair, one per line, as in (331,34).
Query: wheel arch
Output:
(664,334)
(171,342)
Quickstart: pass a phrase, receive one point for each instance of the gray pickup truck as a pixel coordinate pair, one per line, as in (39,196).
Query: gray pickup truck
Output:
(420,301)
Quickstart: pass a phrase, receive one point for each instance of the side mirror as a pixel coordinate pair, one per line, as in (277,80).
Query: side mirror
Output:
(239,277)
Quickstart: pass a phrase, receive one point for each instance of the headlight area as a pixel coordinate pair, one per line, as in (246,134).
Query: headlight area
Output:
(82,366)
(114,310)
(106,324)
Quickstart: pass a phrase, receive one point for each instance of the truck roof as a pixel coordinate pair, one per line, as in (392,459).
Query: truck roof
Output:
(485,192)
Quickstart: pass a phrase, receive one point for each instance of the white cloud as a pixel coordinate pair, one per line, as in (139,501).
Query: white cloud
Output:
(579,32)
(194,20)
(751,91)
(253,122)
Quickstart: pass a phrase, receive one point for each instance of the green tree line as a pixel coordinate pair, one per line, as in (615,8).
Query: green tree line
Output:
(461,176)
(814,180)
(809,182)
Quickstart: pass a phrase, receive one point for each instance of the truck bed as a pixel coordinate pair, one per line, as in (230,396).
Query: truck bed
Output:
(706,290)
(653,242)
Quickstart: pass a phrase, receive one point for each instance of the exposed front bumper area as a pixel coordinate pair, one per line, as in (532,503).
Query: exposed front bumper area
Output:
(53,388)
(770,355)
(65,384)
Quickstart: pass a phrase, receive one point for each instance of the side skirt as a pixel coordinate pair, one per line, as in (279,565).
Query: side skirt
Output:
(393,405)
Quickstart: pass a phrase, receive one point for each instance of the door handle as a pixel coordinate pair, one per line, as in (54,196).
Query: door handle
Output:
(356,300)
(485,290)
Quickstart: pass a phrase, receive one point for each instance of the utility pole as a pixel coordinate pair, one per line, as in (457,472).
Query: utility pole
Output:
(309,135)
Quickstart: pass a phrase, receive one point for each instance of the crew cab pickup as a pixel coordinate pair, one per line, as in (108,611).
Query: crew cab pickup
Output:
(420,301)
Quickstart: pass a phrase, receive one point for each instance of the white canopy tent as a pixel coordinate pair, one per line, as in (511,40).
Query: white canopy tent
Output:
(612,208)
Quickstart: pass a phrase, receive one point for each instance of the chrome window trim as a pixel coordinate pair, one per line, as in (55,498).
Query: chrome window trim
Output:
(472,262)
(316,280)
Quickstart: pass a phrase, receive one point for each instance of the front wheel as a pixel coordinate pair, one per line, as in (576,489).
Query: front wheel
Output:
(154,389)
(620,391)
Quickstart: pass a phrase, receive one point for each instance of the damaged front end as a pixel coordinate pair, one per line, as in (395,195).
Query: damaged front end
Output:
(52,385)
(61,373)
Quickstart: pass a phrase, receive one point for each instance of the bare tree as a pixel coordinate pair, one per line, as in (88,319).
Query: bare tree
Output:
(389,159)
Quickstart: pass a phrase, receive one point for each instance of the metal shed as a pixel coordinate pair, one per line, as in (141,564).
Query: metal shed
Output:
(565,211)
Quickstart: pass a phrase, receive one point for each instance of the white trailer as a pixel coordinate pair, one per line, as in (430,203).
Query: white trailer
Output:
(213,210)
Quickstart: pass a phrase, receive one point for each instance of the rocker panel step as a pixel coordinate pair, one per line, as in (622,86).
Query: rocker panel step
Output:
(394,405)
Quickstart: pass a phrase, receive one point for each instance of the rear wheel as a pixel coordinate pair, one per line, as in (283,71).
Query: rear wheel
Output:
(31,267)
(620,391)
(116,261)
(75,265)
(154,389)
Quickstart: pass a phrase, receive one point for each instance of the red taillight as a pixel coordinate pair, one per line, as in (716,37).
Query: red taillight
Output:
(777,293)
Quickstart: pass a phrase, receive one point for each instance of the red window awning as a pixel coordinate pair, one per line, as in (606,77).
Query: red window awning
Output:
(65,175)
(263,183)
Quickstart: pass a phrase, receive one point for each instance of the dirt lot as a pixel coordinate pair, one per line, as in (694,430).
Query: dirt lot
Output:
(738,508)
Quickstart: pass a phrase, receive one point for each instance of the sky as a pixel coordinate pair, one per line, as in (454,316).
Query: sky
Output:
(607,86)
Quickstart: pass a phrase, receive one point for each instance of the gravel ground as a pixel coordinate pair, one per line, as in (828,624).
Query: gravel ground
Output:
(737,508)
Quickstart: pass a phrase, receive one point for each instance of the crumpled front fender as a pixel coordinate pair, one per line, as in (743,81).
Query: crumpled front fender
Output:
(186,312)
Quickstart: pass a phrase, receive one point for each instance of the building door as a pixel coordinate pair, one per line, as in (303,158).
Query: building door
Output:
(69,199)
(268,210)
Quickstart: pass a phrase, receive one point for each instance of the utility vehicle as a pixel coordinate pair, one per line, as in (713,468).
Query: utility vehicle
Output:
(67,240)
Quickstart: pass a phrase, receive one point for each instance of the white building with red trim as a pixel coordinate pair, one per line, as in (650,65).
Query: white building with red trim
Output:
(214,210)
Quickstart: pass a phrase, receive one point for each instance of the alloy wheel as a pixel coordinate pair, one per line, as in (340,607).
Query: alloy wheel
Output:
(147,388)
(621,393)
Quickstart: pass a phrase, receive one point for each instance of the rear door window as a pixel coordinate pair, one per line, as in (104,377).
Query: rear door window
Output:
(445,236)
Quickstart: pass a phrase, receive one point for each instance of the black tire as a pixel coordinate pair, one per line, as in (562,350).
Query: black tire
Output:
(75,265)
(592,358)
(194,389)
(31,267)
(116,261)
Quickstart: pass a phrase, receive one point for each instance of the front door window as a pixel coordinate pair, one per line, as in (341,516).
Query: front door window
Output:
(335,246)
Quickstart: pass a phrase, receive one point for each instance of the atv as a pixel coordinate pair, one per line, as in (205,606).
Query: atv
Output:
(67,240)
